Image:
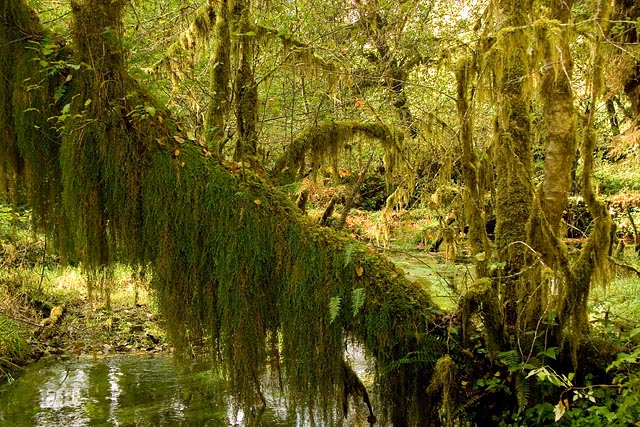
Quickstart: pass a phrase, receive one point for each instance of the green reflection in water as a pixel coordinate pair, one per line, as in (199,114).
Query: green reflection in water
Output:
(122,391)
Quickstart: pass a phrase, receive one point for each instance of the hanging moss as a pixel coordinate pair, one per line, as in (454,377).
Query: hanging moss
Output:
(233,260)
(32,93)
(181,55)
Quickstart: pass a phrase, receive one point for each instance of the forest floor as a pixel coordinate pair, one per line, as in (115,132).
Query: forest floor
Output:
(62,320)
(46,309)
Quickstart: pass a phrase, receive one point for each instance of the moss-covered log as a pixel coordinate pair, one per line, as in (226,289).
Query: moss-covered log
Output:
(233,259)
(324,142)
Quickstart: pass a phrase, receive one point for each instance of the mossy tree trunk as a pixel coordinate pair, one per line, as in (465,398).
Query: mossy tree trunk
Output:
(220,76)
(538,288)
(245,86)
(559,116)
(474,199)
(513,155)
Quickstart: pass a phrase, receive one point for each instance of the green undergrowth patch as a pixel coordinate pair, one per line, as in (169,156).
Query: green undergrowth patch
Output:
(445,282)
(118,316)
(612,178)
(617,307)
(14,348)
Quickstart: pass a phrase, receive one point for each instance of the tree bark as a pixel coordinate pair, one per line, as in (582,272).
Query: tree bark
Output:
(245,86)
(219,80)
(557,98)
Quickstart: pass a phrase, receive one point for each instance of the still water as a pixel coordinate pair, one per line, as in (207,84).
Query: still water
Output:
(138,391)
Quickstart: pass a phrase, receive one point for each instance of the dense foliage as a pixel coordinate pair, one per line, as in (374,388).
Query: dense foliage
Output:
(187,176)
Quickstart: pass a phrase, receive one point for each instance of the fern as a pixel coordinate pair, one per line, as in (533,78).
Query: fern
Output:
(511,359)
(470,402)
(348,252)
(334,308)
(522,391)
(357,299)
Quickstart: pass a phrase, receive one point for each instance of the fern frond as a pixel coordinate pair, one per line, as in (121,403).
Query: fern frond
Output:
(334,308)
(357,299)
(522,391)
(510,358)
(348,252)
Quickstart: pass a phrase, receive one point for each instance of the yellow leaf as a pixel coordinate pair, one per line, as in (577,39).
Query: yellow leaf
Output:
(359,270)
(176,153)
(179,139)
(160,119)
(257,201)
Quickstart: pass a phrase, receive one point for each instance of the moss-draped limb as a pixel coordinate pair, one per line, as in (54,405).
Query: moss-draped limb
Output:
(324,141)
(181,55)
(32,93)
(232,257)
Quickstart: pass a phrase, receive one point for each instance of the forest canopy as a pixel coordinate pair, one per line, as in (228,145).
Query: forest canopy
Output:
(187,139)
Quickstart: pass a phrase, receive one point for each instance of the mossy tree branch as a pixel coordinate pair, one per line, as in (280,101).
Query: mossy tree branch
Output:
(232,257)
(324,142)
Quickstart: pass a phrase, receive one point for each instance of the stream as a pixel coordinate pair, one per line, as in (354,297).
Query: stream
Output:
(138,390)
(152,391)
(122,391)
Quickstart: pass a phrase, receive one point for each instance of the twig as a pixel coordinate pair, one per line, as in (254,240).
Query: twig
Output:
(44,263)
(354,192)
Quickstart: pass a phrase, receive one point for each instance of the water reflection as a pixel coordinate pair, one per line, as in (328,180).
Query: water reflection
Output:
(120,391)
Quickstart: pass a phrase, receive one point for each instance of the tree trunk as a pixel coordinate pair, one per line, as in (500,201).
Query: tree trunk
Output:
(513,156)
(219,80)
(245,86)
(557,98)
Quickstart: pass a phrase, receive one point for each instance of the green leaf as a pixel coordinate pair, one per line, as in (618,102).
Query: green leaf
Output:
(549,352)
(151,110)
